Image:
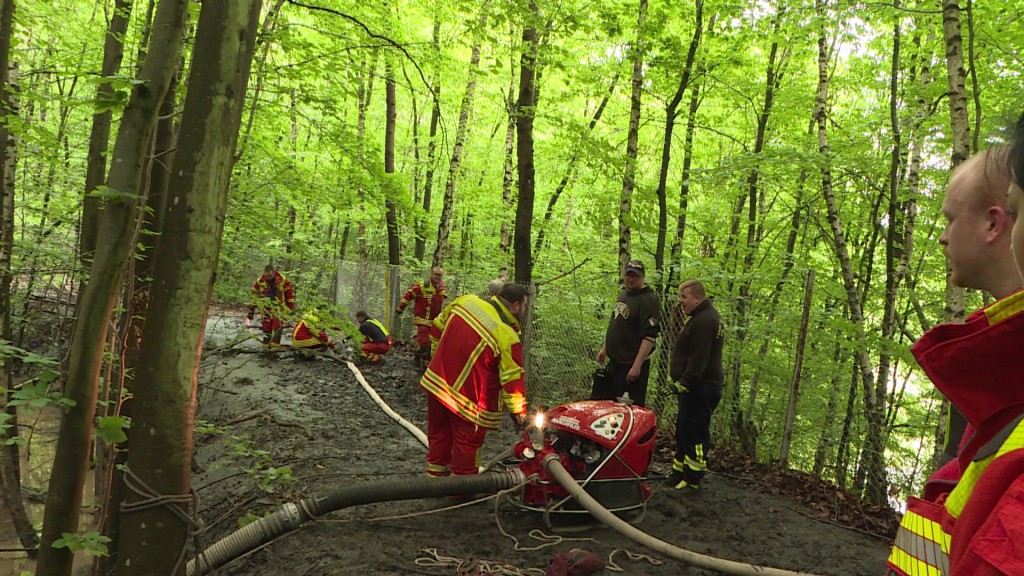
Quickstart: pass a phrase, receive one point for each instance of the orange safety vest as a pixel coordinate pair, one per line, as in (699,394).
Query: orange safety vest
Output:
(924,538)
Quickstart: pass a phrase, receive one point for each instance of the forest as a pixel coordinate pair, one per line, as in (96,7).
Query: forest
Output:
(791,154)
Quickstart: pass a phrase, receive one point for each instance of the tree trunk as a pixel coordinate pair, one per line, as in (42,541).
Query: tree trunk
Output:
(570,169)
(508,178)
(684,186)
(632,143)
(442,250)
(394,246)
(794,390)
(958,119)
(747,431)
(671,112)
(10,450)
(113,248)
(267,31)
(526,110)
(435,117)
(109,485)
(873,457)
(186,257)
(742,427)
(825,440)
(99,136)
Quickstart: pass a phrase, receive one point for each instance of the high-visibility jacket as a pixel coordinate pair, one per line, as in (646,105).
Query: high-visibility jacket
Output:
(374,331)
(273,295)
(427,299)
(307,333)
(977,528)
(477,362)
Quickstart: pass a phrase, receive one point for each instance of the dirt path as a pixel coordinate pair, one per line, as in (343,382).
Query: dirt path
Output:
(310,422)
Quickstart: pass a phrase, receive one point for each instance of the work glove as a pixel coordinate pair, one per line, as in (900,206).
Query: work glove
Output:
(520,421)
(251,314)
(398,311)
(678,388)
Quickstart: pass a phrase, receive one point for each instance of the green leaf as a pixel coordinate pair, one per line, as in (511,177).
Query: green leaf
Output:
(110,429)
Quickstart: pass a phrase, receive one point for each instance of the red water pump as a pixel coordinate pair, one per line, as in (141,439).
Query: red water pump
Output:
(606,446)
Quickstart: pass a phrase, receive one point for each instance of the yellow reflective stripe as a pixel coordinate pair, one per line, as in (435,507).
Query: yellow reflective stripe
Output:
(677,465)
(696,465)
(437,470)
(378,325)
(921,547)
(1005,308)
(516,402)
(957,499)
(420,321)
(469,410)
(479,320)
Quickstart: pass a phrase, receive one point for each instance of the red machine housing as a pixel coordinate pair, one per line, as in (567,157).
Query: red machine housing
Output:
(607,447)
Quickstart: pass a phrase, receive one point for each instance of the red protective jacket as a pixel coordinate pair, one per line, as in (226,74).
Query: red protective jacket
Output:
(273,294)
(427,299)
(978,365)
(478,361)
(307,334)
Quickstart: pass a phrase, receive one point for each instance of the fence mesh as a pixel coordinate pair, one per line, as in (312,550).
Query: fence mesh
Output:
(563,331)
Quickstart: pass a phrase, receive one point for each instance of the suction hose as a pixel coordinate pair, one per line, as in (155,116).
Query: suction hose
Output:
(554,466)
(292,515)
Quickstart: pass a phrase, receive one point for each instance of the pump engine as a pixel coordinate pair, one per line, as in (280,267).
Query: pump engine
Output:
(607,447)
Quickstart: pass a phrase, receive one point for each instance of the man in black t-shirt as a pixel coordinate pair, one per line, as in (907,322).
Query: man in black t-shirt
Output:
(632,332)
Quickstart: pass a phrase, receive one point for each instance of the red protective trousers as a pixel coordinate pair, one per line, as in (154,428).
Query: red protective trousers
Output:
(374,351)
(454,442)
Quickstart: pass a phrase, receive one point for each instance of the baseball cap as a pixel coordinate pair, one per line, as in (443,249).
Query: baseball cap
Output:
(634,266)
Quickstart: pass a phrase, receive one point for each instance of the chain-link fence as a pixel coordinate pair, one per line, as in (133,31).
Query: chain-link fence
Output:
(564,328)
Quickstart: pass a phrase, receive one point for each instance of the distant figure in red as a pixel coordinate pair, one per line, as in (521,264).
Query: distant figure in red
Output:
(376,341)
(309,333)
(274,296)
(428,301)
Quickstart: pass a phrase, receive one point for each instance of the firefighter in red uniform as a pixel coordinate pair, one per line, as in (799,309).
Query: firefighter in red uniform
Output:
(274,295)
(309,333)
(976,527)
(477,365)
(376,341)
(428,301)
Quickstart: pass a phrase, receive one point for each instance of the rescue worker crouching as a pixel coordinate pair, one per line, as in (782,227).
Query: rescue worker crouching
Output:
(376,340)
(309,333)
(476,367)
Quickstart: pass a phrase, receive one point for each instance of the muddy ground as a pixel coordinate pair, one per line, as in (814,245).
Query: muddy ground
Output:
(277,427)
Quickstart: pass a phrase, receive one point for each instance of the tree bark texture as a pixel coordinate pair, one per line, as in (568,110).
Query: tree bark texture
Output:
(394,245)
(526,109)
(632,143)
(99,136)
(570,169)
(109,485)
(428,179)
(958,119)
(508,176)
(113,248)
(444,226)
(671,113)
(153,538)
(873,461)
(10,450)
